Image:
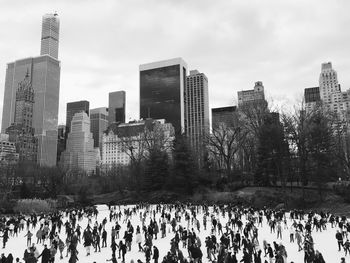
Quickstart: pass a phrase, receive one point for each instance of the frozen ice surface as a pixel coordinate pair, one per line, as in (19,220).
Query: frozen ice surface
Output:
(324,241)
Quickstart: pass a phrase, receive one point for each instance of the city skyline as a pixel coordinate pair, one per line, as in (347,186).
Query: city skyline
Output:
(247,43)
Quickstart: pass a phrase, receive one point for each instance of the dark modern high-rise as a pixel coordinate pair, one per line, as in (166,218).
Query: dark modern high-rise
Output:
(162,86)
(50,35)
(312,97)
(98,124)
(61,140)
(116,107)
(196,100)
(226,115)
(73,108)
(312,94)
(44,72)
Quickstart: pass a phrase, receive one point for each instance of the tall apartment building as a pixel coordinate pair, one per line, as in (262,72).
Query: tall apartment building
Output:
(120,138)
(73,108)
(50,35)
(162,86)
(99,124)
(227,115)
(21,132)
(330,92)
(255,95)
(196,102)
(328,82)
(44,72)
(116,107)
(79,153)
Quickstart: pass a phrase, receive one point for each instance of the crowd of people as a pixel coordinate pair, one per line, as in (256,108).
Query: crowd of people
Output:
(231,234)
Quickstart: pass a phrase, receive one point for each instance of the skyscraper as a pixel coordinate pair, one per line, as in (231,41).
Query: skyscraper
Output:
(328,82)
(196,100)
(116,107)
(50,35)
(21,132)
(331,95)
(99,124)
(162,86)
(73,108)
(79,153)
(44,72)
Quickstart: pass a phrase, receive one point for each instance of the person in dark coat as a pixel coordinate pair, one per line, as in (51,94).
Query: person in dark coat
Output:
(73,256)
(155,254)
(45,255)
(339,238)
(123,249)
(5,238)
(246,257)
(9,258)
(3,258)
(104,238)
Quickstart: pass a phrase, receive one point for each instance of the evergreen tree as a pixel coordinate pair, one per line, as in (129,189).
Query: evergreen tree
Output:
(185,167)
(157,169)
(321,148)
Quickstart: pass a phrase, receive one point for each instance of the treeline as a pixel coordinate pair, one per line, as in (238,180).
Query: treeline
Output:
(270,147)
(157,167)
(256,146)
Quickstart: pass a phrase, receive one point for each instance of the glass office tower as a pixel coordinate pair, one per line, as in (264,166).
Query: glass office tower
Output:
(98,124)
(116,107)
(44,72)
(162,91)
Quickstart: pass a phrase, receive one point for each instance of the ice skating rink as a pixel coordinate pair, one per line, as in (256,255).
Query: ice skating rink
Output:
(324,241)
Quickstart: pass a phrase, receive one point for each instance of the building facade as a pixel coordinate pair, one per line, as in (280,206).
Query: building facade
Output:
(61,140)
(116,107)
(329,94)
(44,72)
(80,153)
(227,115)
(312,98)
(21,132)
(73,108)
(123,140)
(328,83)
(162,86)
(8,153)
(50,35)
(252,96)
(99,124)
(196,102)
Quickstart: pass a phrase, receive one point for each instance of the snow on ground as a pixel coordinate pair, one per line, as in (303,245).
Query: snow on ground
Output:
(325,242)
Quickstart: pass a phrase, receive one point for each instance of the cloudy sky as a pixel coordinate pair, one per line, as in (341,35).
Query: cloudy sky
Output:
(235,43)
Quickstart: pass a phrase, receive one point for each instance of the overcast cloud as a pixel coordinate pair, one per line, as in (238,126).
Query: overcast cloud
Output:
(235,43)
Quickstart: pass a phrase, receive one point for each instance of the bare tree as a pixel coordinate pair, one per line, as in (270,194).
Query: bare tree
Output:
(223,144)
